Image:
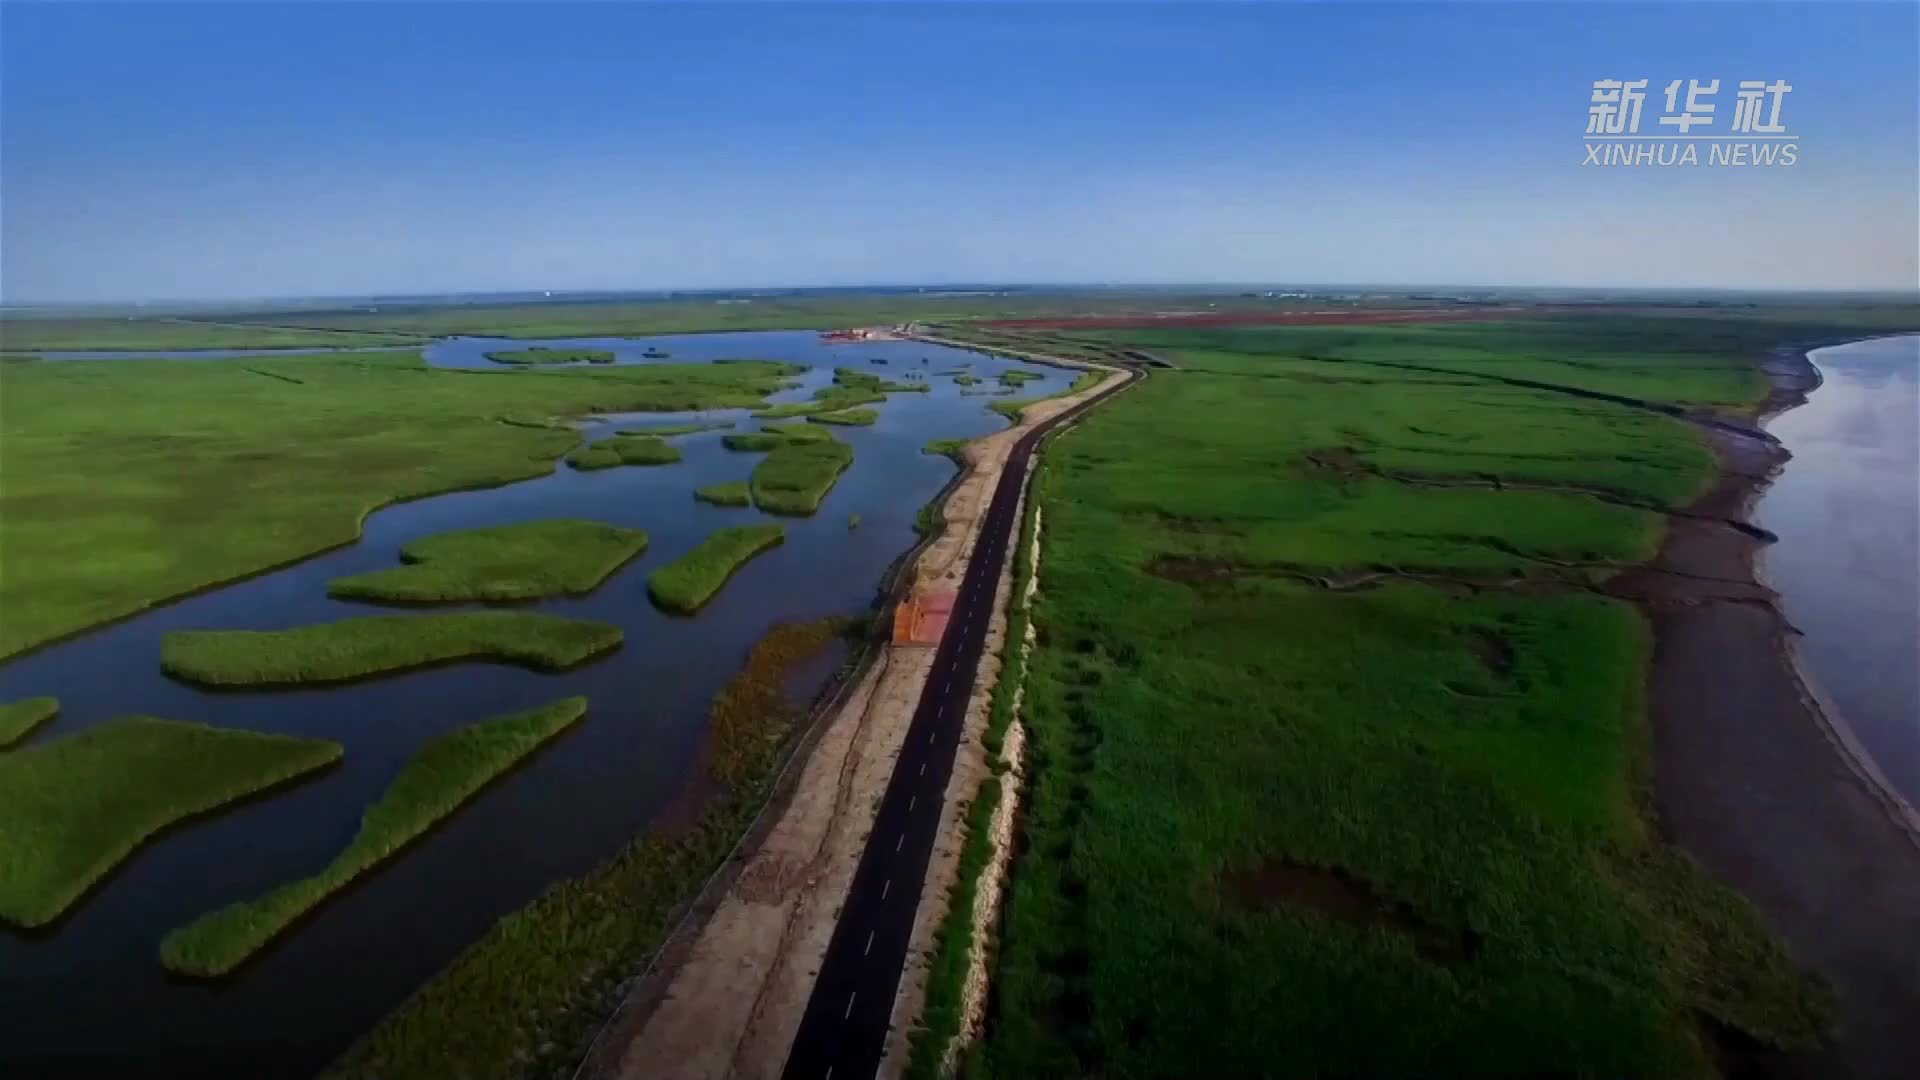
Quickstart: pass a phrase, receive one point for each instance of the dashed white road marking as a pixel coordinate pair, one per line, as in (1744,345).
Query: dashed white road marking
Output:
(849,1011)
(897,843)
(911,801)
(869,947)
(885,887)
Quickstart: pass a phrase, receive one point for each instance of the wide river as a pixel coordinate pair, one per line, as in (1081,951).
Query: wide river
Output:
(87,997)
(1847,511)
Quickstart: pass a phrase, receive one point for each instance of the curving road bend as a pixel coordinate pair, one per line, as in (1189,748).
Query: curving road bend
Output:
(843,1032)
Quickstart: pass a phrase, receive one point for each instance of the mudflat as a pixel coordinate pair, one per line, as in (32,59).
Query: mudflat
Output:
(1759,785)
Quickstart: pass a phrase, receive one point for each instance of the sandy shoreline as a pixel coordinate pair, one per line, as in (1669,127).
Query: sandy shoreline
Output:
(1761,784)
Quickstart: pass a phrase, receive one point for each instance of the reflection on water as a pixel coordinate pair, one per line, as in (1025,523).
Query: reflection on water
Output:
(91,998)
(1847,510)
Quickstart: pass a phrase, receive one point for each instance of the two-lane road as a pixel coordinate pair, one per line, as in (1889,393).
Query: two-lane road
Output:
(843,1032)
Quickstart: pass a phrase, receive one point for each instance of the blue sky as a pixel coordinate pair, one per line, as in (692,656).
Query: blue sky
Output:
(243,150)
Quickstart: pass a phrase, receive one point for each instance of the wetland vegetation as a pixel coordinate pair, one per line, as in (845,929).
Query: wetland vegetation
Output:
(688,582)
(1313,694)
(78,805)
(372,645)
(506,562)
(221,471)
(436,781)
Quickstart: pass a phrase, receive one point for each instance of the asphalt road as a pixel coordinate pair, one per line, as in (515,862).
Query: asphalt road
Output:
(844,1030)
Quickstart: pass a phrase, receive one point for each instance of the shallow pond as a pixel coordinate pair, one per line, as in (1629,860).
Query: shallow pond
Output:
(1847,511)
(89,998)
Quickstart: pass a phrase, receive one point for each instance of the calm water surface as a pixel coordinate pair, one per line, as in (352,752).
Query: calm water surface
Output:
(89,998)
(1847,510)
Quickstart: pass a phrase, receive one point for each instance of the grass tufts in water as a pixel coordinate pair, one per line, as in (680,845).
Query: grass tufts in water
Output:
(18,719)
(507,562)
(437,780)
(688,582)
(75,807)
(379,645)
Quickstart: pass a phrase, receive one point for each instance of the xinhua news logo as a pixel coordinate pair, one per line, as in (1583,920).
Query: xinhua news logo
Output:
(1754,135)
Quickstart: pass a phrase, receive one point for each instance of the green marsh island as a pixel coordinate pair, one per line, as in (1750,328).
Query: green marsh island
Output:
(76,806)
(508,562)
(551,356)
(381,645)
(687,583)
(624,450)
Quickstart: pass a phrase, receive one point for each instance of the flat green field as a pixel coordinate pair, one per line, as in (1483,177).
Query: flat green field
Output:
(133,482)
(508,562)
(688,582)
(523,999)
(794,477)
(75,807)
(1336,755)
(436,781)
(381,645)
(624,450)
(551,356)
(18,719)
(734,493)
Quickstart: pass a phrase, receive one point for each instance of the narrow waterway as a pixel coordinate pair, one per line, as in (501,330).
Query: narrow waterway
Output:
(1847,511)
(88,997)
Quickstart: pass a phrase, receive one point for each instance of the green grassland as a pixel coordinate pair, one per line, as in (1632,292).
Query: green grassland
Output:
(18,719)
(437,780)
(111,334)
(507,562)
(372,645)
(133,482)
(688,582)
(846,417)
(75,807)
(1014,377)
(733,493)
(624,450)
(523,999)
(552,356)
(1336,754)
(795,476)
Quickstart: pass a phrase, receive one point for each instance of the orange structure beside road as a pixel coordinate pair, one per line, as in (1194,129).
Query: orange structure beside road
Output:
(922,617)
